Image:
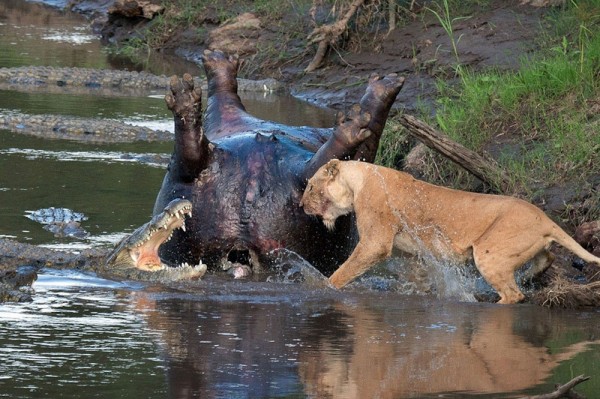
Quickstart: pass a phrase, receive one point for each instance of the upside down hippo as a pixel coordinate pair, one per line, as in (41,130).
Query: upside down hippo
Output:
(234,182)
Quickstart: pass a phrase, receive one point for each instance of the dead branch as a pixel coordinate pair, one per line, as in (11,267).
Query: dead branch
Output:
(563,391)
(484,169)
(327,35)
(391,15)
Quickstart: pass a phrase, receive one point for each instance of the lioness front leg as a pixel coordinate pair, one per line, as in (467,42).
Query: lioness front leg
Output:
(364,256)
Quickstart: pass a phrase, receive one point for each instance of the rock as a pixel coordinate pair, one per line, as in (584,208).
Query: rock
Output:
(588,236)
(239,36)
(135,9)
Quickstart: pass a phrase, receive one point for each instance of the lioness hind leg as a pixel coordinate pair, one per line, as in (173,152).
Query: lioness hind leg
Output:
(540,263)
(499,273)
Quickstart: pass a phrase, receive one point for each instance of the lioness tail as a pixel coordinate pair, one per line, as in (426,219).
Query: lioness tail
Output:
(569,243)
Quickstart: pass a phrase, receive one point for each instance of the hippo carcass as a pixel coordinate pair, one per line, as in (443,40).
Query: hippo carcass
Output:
(234,183)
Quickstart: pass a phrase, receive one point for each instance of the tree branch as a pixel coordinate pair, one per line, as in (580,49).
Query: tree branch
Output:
(484,169)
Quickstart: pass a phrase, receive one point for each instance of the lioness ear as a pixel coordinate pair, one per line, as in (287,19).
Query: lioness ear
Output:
(332,168)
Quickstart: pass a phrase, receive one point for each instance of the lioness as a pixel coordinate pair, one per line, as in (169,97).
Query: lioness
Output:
(393,209)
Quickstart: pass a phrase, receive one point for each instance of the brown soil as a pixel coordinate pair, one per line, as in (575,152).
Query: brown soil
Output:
(422,51)
(498,35)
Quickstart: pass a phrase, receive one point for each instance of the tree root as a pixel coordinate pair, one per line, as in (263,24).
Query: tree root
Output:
(327,35)
(484,169)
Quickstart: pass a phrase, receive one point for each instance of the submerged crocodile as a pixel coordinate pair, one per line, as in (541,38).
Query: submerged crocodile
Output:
(108,78)
(79,129)
(62,222)
(88,81)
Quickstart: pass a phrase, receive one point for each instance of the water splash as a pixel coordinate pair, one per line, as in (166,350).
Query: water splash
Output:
(290,267)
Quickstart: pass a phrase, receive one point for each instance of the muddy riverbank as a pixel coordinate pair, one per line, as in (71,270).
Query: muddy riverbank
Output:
(499,34)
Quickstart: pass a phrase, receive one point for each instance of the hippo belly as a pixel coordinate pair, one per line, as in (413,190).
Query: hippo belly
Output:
(246,204)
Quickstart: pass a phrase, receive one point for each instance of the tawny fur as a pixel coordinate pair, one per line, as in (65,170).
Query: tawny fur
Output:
(393,209)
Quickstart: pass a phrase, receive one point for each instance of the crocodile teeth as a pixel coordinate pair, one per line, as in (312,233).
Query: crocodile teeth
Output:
(183,227)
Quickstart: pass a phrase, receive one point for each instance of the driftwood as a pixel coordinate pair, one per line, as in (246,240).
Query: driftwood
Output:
(484,169)
(563,391)
(327,35)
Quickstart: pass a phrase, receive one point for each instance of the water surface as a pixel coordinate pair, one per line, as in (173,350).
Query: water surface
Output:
(86,337)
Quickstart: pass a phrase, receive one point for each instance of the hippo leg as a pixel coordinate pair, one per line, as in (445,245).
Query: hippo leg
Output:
(357,133)
(140,249)
(351,130)
(192,147)
(225,113)
(377,101)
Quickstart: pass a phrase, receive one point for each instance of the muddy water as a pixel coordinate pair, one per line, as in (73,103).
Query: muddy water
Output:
(83,336)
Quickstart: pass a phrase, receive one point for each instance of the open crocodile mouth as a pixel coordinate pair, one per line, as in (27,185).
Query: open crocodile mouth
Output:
(140,249)
(160,230)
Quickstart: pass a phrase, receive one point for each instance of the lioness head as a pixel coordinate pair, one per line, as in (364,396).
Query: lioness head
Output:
(327,194)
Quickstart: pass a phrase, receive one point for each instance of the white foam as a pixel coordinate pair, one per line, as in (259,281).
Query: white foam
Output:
(76,38)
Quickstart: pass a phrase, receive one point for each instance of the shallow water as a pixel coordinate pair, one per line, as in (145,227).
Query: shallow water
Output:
(83,336)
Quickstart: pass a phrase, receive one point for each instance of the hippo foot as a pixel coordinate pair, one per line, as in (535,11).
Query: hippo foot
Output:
(352,128)
(140,249)
(184,100)
(221,70)
(384,89)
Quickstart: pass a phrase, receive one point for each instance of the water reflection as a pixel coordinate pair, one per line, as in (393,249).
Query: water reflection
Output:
(83,336)
(258,341)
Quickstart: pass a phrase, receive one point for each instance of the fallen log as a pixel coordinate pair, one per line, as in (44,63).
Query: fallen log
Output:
(485,170)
